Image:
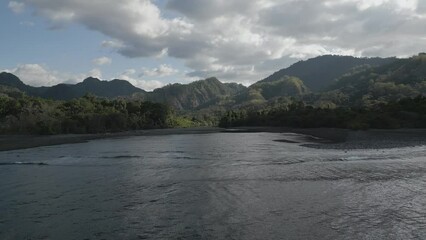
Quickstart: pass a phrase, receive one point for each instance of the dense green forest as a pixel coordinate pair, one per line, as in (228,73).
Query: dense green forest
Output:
(20,113)
(405,113)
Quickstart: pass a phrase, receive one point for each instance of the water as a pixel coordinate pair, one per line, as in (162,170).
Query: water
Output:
(211,186)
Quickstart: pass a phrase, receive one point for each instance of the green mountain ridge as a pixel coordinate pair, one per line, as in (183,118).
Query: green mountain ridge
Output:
(180,96)
(319,72)
(345,81)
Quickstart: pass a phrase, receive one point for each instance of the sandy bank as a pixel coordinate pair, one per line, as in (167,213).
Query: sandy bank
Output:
(13,142)
(332,138)
(321,138)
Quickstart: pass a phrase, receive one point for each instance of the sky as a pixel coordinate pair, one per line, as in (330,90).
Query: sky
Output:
(152,43)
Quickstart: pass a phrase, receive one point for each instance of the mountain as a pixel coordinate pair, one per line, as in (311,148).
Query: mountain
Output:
(319,72)
(181,96)
(400,79)
(193,95)
(108,89)
(10,80)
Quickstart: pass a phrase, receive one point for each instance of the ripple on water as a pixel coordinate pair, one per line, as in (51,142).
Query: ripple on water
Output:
(218,186)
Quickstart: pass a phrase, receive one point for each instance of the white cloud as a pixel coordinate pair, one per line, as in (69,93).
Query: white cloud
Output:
(96,73)
(137,26)
(16,7)
(147,85)
(27,24)
(114,44)
(163,70)
(235,40)
(129,72)
(35,75)
(38,75)
(102,61)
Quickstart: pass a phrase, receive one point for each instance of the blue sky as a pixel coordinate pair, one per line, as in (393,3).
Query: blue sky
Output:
(152,43)
(68,52)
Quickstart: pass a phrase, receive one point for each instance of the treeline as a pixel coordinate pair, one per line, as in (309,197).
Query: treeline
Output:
(23,114)
(406,113)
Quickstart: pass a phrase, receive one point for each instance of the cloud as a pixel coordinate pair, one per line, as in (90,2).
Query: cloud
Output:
(163,70)
(147,85)
(102,61)
(38,75)
(114,44)
(35,75)
(236,40)
(16,7)
(27,24)
(136,26)
(96,73)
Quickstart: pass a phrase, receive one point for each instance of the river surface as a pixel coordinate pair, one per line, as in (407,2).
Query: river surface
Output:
(211,186)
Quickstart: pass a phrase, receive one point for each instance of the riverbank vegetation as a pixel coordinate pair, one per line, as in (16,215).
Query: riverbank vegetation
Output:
(405,113)
(23,114)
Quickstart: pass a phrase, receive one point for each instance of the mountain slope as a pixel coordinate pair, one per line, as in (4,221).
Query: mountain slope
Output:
(318,73)
(264,92)
(284,86)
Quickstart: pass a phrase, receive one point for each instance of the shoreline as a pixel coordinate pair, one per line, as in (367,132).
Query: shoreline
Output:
(319,138)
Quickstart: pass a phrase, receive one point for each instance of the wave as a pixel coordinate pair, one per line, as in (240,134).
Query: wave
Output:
(23,163)
(122,157)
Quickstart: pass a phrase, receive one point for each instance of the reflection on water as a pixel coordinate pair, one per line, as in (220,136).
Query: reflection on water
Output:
(211,186)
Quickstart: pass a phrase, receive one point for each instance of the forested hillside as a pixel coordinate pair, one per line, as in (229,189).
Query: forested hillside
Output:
(193,95)
(400,79)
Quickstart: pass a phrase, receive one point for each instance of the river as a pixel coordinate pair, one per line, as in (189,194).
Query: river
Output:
(211,186)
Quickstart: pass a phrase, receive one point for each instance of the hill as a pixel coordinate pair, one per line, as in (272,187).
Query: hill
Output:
(319,72)
(262,92)
(193,95)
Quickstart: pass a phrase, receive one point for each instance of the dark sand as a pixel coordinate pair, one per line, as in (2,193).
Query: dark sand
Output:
(321,138)
(13,142)
(332,138)
(378,139)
